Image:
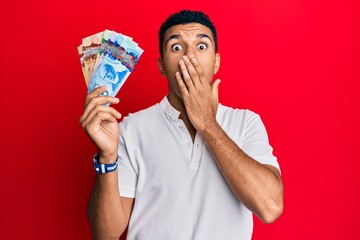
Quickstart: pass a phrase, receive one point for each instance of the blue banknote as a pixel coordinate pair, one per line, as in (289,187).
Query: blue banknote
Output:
(117,58)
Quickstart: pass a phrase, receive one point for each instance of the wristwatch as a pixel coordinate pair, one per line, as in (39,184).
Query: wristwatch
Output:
(103,167)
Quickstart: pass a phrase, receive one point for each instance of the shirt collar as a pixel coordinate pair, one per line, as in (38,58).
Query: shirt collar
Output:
(170,112)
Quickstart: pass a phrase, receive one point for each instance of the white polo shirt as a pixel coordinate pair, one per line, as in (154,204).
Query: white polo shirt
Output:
(179,191)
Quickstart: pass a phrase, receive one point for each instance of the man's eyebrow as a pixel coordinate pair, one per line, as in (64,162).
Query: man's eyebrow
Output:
(177,36)
(203,35)
(174,36)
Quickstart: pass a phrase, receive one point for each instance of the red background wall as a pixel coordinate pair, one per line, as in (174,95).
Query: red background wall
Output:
(295,62)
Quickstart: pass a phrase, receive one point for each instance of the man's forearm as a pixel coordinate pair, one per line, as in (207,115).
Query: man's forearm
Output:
(105,210)
(258,186)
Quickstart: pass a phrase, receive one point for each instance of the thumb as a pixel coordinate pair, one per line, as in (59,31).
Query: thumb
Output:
(215,89)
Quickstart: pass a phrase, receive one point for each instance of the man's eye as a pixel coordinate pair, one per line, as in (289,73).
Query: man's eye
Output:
(176,48)
(202,46)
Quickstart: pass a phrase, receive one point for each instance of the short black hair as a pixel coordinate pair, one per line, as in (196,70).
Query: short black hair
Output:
(184,17)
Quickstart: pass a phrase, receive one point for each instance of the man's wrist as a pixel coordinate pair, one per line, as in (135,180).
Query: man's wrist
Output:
(107,158)
(209,128)
(211,132)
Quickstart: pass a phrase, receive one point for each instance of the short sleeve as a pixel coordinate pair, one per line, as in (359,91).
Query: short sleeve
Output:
(256,142)
(127,174)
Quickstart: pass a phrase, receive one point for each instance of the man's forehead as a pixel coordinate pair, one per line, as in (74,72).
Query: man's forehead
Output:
(188,29)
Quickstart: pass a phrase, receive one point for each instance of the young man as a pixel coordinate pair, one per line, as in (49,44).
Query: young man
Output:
(189,167)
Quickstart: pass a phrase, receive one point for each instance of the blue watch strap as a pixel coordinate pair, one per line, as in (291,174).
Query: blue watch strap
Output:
(103,167)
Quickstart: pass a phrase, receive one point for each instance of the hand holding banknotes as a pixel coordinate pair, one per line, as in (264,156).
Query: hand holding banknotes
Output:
(100,123)
(107,59)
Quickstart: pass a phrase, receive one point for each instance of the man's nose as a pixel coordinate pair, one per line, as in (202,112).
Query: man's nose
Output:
(190,53)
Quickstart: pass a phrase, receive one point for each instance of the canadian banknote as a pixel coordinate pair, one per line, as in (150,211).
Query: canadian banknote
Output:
(90,47)
(116,57)
(81,56)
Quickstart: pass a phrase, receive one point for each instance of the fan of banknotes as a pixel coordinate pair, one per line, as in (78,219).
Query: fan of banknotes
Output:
(108,58)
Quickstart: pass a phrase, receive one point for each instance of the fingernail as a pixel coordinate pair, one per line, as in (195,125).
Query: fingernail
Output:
(193,60)
(181,62)
(185,57)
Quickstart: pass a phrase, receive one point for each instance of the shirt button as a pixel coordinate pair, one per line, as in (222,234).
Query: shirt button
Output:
(188,144)
(181,127)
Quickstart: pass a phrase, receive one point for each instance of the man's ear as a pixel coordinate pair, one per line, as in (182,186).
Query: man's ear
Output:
(161,66)
(217,63)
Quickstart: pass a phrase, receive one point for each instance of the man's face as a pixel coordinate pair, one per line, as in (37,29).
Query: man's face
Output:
(192,40)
